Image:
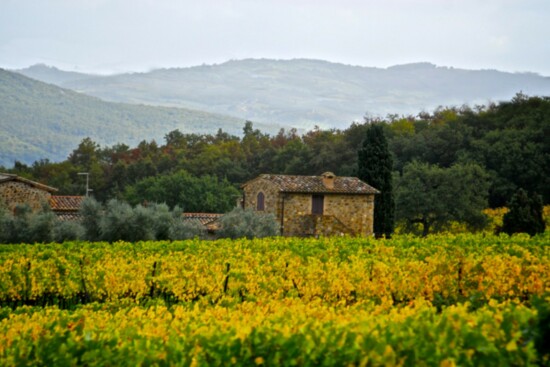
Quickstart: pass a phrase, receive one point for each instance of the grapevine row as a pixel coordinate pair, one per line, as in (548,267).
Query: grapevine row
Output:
(278,332)
(441,269)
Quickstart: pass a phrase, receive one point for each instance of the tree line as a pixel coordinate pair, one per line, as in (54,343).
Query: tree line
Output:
(493,150)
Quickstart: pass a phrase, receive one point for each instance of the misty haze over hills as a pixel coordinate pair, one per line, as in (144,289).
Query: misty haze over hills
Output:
(39,120)
(301,92)
(43,121)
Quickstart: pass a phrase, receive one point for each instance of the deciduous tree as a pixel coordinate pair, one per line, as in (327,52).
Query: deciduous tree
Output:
(433,197)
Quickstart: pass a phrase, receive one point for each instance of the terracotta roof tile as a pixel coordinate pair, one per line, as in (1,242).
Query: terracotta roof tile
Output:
(65,203)
(202,218)
(314,184)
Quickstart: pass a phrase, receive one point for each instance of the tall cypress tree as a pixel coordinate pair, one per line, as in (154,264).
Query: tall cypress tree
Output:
(525,214)
(375,165)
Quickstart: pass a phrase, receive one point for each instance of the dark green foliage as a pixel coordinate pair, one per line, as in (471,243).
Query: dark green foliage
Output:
(24,226)
(162,218)
(200,172)
(433,197)
(91,212)
(120,221)
(184,230)
(14,226)
(67,231)
(41,226)
(20,227)
(525,214)
(4,217)
(6,226)
(542,329)
(117,221)
(241,223)
(204,194)
(375,165)
(510,140)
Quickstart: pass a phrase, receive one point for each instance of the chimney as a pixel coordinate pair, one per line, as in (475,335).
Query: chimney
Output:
(328,179)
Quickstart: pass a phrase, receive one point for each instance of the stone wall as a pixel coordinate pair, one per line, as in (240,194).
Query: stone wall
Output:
(14,192)
(343,214)
(296,206)
(271,196)
(354,211)
(323,225)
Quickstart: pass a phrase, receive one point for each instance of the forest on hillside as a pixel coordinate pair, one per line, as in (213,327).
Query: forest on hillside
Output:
(41,120)
(509,141)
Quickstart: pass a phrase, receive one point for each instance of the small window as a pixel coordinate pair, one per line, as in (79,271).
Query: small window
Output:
(260,202)
(317,204)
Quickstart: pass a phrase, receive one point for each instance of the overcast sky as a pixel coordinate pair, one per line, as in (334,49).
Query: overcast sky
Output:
(109,36)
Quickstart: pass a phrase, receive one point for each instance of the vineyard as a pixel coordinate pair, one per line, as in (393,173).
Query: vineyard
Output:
(440,301)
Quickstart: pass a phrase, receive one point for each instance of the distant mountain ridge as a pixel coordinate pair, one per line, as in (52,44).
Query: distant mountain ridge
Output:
(303,92)
(53,75)
(43,121)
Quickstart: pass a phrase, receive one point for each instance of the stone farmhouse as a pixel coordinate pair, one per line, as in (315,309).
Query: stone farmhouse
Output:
(15,190)
(313,205)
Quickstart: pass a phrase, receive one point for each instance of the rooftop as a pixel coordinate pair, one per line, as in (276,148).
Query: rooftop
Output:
(66,203)
(319,184)
(6,177)
(202,218)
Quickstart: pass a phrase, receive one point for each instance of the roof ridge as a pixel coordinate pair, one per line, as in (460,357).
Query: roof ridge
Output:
(316,184)
(14,177)
(197,213)
(317,176)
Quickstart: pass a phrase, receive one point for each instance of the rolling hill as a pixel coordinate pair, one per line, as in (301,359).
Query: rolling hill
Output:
(302,92)
(43,121)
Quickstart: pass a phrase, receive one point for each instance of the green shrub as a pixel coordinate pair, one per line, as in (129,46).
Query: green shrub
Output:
(240,223)
(122,222)
(184,230)
(24,226)
(67,231)
(40,226)
(18,230)
(6,226)
(119,221)
(162,219)
(14,227)
(91,212)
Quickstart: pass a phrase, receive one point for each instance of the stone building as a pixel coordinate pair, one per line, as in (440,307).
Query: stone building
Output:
(313,205)
(16,190)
